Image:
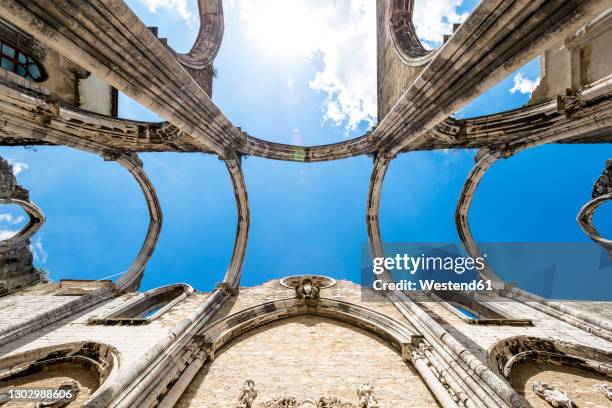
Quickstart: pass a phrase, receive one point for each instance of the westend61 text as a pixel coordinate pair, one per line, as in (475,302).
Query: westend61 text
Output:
(430,284)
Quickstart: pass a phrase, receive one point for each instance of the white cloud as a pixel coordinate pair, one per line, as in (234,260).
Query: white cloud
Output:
(38,252)
(6,234)
(18,167)
(433,19)
(6,217)
(341,34)
(523,84)
(178,6)
(296,138)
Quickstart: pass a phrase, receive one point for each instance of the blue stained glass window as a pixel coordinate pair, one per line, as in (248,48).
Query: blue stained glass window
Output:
(15,60)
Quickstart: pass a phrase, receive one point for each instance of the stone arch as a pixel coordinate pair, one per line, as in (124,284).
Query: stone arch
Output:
(35,222)
(575,369)
(585,220)
(398,335)
(358,344)
(404,36)
(85,364)
(210,34)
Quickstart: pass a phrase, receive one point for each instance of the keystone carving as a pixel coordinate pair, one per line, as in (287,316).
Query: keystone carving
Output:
(307,290)
(606,390)
(553,395)
(248,395)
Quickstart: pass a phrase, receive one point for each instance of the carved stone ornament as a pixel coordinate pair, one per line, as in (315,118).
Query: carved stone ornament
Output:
(365,392)
(282,402)
(70,390)
(553,395)
(606,390)
(334,402)
(248,395)
(292,402)
(307,290)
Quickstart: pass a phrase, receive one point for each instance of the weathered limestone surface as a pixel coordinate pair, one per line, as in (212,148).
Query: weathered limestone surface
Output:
(19,309)
(479,338)
(580,385)
(583,58)
(16,260)
(601,309)
(307,357)
(132,342)
(394,76)
(56,375)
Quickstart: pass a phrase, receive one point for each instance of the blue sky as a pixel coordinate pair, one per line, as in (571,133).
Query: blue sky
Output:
(307,82)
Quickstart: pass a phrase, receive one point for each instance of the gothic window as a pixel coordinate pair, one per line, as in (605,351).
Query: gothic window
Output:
(14,60)
(147,306)
(471,309)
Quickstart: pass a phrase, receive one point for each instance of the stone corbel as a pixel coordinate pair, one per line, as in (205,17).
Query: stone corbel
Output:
(569,103)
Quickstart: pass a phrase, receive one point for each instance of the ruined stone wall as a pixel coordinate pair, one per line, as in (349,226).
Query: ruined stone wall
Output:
(16,260)
(302,356)
(479,338)
(63,80)
(55,376)
(394,77)
(307,357)
(579,384)
(63,76)
(583,58)
(133,343)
